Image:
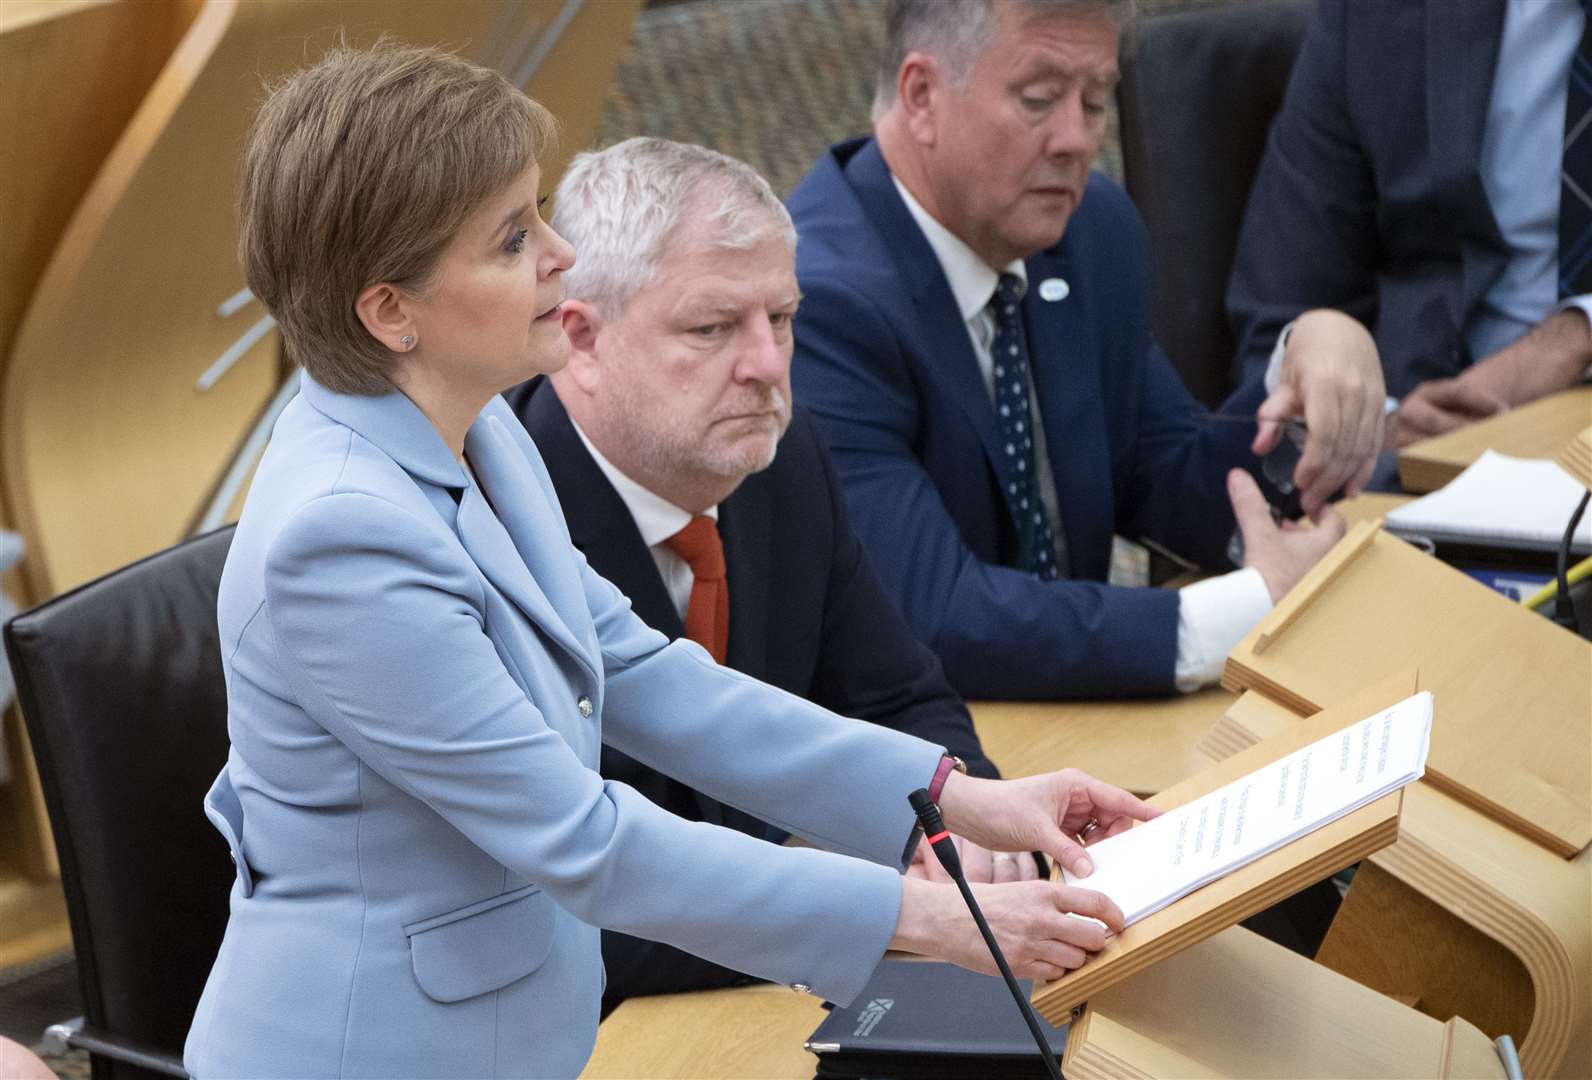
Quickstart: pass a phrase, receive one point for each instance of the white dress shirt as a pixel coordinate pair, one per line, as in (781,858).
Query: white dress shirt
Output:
(657,519)
(1525,124)
(1212,615)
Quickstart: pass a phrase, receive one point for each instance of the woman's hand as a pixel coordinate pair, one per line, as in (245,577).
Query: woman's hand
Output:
(1032,920)
(1040,813)
(978,864)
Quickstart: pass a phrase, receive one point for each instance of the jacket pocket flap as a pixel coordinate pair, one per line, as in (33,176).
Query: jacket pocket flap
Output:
(226,814)
(482,947)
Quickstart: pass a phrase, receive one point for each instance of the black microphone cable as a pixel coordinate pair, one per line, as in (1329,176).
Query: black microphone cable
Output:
(1563,605)
(945,849)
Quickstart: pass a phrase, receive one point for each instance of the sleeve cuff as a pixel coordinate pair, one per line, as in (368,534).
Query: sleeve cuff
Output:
(1274,365)
(1582,303)
(1212,618)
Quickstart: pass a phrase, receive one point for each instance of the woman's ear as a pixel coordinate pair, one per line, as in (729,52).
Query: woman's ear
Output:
(386,316)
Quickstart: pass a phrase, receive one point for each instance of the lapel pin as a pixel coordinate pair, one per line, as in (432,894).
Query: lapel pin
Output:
(1053,289)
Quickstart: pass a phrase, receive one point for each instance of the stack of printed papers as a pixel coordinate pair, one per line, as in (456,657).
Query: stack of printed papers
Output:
(1153,864)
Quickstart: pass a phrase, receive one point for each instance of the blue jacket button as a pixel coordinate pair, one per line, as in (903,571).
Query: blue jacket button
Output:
(584,705)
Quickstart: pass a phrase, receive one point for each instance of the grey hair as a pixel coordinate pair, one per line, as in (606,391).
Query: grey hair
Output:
(620,207)
(955,32)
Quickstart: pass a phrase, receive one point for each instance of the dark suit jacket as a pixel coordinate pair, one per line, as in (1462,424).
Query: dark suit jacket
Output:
(1369,198)
(807,615)
(884,361)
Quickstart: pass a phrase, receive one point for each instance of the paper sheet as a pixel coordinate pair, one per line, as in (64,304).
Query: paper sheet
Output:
(1153,864)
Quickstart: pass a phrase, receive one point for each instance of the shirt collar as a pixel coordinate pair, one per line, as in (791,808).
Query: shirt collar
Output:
(656,518)
(971,279)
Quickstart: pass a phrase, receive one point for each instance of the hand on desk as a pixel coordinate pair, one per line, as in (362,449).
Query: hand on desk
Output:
(1441,405)
(1554,355)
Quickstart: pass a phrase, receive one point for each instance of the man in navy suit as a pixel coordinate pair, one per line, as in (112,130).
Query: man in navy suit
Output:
(1431,170)
(988,386)
(671,420)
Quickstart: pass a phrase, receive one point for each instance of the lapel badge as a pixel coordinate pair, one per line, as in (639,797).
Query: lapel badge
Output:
(1053,289)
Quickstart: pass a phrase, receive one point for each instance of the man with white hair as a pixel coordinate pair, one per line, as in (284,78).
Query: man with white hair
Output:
(688,480)
(974,341)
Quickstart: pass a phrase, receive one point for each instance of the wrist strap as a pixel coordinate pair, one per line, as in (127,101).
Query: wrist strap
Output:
(948,765)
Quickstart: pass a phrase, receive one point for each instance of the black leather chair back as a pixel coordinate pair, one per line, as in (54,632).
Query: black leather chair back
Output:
(1197,96)
(120,685)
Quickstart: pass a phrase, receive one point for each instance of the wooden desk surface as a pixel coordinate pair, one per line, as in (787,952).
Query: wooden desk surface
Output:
(1538,430)
(1143,746)
(751,1031)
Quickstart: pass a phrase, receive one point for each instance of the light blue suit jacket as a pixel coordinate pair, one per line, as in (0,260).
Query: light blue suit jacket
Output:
(418,692)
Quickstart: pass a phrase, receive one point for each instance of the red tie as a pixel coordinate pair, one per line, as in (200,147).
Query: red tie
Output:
(707,616)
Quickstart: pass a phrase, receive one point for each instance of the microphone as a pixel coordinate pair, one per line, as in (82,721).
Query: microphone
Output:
(945,850)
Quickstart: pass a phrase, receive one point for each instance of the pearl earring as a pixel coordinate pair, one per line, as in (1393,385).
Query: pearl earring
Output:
(407,341)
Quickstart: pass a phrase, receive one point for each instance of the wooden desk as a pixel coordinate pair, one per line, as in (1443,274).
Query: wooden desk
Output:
(1538,430)
(1143,745)
(752,1031)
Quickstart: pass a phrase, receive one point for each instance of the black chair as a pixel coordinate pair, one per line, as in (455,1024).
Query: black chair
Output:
(1198,92)
(121,688)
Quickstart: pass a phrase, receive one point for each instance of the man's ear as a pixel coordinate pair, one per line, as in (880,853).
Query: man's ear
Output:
(583,324)
(919,85)
(385,312)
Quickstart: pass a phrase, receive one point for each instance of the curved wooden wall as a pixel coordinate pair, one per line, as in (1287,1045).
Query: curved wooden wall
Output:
(71,75)
(111,449)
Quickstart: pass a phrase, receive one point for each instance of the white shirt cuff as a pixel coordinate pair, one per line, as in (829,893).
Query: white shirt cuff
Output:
(1274,365)
(1583,302)
(1212,618)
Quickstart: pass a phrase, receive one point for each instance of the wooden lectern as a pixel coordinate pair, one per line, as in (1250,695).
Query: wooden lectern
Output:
(1238,1005)
(1515,712)
(1483,908)
(1267,880)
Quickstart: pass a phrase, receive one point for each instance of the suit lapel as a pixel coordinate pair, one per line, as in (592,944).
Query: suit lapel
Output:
(1457,93)
(600,525)
(947,350)
(528,545)
(746,526)
(523,534)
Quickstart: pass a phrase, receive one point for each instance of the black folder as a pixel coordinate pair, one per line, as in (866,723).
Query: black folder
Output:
(929,1021)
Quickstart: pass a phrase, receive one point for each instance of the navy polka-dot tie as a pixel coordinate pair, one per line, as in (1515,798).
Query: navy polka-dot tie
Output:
(1015,422)
(1575,176)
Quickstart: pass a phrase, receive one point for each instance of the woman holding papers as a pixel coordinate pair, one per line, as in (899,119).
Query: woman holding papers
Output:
(421,669)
